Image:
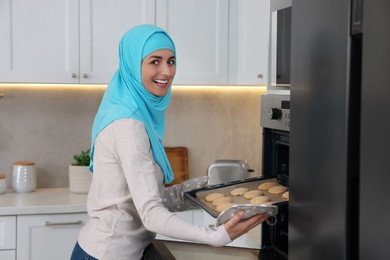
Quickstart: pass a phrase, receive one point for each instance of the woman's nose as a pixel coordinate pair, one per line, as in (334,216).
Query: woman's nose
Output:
(168,70)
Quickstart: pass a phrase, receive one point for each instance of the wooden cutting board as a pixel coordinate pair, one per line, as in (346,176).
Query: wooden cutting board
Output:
(178,158)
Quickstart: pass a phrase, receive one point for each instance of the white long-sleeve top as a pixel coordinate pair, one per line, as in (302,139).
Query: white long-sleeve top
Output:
(124,201)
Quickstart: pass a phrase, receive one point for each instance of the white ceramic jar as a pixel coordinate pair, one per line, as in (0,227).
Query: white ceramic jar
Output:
(3,183)
(24,177)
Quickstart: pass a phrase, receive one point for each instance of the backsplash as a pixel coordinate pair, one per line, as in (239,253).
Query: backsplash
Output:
(49,124)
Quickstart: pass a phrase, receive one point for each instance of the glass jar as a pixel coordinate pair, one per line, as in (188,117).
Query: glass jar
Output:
(24,177)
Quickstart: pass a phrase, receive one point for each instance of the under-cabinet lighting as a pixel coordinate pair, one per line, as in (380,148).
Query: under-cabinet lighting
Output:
(101,86)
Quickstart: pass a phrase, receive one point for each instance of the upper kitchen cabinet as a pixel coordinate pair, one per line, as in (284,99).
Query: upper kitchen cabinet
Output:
(199,29)
(102,24)
(249,35)
(38,40)
(68,41)
(218,42)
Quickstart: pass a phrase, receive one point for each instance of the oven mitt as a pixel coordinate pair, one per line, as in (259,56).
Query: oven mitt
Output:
(173,196)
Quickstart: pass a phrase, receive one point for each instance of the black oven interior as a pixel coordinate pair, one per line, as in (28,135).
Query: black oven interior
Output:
(276,154)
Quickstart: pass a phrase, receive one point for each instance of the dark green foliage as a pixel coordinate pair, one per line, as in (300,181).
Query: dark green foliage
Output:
(82,159)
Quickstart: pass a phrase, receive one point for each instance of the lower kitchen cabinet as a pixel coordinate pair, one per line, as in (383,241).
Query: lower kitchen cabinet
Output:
(249,240)
(189,216)
(7,237)
(47,237)
(53,236)
(7,255)
(202,218)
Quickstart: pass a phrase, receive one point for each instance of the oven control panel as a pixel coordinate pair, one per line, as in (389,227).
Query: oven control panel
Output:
(275,112)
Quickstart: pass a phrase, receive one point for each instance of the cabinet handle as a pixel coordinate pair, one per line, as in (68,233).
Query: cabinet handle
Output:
(48,223)
(74,75)
(85,75)
(259,76)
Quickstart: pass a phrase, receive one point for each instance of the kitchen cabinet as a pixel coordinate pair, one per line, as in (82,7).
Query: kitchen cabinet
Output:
(46,237)
(202,218)
(249,240)
(218,42)
(190,216)
(102,24)
(199,29)
(72,41)
(7,237)
(7,254)
(249,38)
(68,41)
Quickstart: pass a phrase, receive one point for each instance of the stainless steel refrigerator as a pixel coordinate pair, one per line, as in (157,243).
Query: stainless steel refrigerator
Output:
(340,130)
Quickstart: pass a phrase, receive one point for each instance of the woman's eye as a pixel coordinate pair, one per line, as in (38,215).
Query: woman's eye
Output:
(171,62)
(154,62)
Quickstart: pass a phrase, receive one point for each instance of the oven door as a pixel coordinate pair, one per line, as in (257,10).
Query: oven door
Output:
(276,164)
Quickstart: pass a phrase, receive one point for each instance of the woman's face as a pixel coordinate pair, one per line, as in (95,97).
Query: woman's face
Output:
(158,70)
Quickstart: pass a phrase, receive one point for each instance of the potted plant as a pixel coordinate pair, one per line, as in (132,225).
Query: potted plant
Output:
(79,175)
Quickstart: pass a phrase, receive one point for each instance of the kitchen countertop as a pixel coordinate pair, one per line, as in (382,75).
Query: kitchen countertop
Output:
(42,201)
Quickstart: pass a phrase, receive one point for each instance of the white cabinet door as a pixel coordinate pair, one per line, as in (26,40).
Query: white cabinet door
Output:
(39,40)
(67,41)
(249,42)
(249,240)
(7,255)
(8,237)
(47,237)
(102,23)
(188,216)
(199,29)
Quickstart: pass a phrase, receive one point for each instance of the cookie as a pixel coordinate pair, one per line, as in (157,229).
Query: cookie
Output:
(277,189)
(213,196)
(259,200)
(286,195)
(238,191)
(267,185)
(221,200)
(224,206)
(252,193)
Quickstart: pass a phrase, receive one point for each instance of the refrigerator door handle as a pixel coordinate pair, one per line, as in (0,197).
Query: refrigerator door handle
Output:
(356,17)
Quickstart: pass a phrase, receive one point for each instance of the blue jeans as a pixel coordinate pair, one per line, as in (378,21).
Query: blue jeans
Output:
(79,254)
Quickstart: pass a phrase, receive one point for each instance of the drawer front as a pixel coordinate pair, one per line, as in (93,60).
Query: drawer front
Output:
(7,233)
(7,255)
(48,237)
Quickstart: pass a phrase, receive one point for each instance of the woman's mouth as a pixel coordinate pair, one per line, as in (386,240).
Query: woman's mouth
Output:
(160,82)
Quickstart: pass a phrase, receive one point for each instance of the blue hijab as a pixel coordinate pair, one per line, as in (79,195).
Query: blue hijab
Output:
(126,96)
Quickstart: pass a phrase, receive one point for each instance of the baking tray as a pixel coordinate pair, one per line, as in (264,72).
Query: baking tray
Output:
(198,196)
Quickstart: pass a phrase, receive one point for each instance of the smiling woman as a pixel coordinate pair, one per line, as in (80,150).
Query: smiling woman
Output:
(128,197)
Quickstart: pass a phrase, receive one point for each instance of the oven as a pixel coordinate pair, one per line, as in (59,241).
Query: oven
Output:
(275,120)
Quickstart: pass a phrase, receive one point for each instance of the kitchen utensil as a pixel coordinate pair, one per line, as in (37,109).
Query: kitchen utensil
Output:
(178,159)
(199,196)
(224,171)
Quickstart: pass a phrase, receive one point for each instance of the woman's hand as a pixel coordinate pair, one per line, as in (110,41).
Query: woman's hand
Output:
(237,227)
